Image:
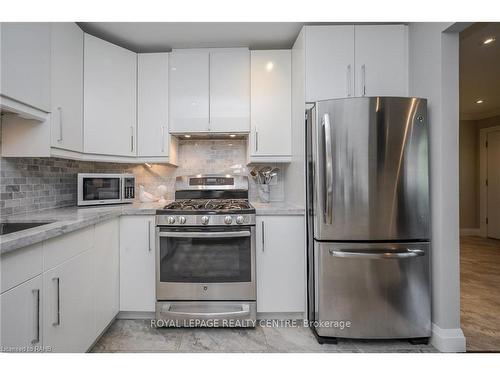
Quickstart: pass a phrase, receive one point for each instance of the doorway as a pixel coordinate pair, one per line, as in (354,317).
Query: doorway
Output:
(480,186)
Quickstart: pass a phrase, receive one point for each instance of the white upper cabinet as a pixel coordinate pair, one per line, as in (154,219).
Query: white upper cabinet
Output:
(381,60)
(329,62)
(271,132)
(110,91)
(67,86)
(189,91)
(230,91)
(152,104)
(25,63)
(352,60)
(209,91)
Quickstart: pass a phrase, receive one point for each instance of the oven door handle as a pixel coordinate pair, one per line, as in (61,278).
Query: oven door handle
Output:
(245,309)
(244,233)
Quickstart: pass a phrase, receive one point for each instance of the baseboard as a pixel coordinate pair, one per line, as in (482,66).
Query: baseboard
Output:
(136,315)
(448,340)
(470,232)
(281,315)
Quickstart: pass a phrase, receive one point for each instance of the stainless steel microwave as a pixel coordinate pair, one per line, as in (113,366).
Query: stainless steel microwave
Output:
(105,188)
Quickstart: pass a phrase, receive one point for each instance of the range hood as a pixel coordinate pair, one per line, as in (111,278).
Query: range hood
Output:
(22,110)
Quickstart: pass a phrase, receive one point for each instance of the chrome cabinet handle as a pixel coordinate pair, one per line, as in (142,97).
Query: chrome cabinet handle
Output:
(59,109)
(36,293)
(328,166)
(256,140)
(263,227)
(376,253)
(162,138)
(131,139)
(349,88)
(57,321)
(149,235)
(205,234)
(363,79)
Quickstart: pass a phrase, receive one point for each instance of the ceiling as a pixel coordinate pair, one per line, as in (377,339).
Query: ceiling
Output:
(163,36)
(479,71)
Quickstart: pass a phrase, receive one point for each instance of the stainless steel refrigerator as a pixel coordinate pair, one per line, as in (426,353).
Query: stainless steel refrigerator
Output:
(368,218)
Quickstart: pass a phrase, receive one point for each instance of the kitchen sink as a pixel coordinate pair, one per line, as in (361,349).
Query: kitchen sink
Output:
(6,228)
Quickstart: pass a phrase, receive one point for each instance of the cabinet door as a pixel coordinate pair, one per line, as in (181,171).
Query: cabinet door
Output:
(137,263)
(110,77)
(106,273)
(67,86)
(381,60)
(68,306)
(21,317)
(230,91)
(271,103)
(189,92)
(25,62)
(329,62)
(280,264)
(152,104)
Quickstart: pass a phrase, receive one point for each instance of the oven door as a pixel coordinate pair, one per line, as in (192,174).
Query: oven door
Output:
(209,263)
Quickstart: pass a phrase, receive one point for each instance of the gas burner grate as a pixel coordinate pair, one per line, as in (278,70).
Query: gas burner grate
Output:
(208,204)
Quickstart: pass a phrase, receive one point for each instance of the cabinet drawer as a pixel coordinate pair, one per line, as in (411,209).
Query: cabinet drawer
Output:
(20,265)
(60,249)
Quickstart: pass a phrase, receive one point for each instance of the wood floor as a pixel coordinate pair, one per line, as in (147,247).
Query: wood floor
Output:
(480,293)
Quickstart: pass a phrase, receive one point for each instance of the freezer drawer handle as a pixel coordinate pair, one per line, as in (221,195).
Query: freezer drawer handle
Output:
(376,254)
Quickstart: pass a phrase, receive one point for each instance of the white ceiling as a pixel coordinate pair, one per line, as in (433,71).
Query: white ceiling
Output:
(479,72)
(163,36)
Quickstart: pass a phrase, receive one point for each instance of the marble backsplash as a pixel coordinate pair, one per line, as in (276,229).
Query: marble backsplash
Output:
(28,184)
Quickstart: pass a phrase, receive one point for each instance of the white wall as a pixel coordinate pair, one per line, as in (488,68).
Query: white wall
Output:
(295,173)
(434,75)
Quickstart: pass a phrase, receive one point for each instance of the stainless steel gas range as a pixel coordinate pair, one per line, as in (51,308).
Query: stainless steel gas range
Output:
(205,253)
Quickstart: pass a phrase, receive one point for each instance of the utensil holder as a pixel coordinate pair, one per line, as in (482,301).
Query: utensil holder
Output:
(263,193)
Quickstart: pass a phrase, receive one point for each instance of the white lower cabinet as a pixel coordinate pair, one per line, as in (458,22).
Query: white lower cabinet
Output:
(69,313)
(137,263)
(281,278)
(21,322)
(65,306)
(106,263)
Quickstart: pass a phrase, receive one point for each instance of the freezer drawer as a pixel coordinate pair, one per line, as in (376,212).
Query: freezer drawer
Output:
(372,291)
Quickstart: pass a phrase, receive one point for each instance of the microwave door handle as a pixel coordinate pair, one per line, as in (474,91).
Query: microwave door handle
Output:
(328,168)
(205,234)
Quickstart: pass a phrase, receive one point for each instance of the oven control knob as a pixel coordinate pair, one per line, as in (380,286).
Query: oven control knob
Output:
(204,220)
(240,220)
(182,220)
(170,220)
(228,220)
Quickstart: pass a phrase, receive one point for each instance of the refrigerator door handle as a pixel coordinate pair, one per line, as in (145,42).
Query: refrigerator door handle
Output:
(328,166)
(376,253)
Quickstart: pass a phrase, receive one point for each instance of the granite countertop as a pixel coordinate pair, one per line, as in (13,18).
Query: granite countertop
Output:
(65,220)
(68,219)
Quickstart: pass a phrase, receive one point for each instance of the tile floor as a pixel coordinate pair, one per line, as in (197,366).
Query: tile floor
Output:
(139,336)
(480,295)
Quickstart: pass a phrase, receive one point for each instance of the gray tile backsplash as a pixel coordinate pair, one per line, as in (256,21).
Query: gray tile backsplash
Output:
(28,184)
